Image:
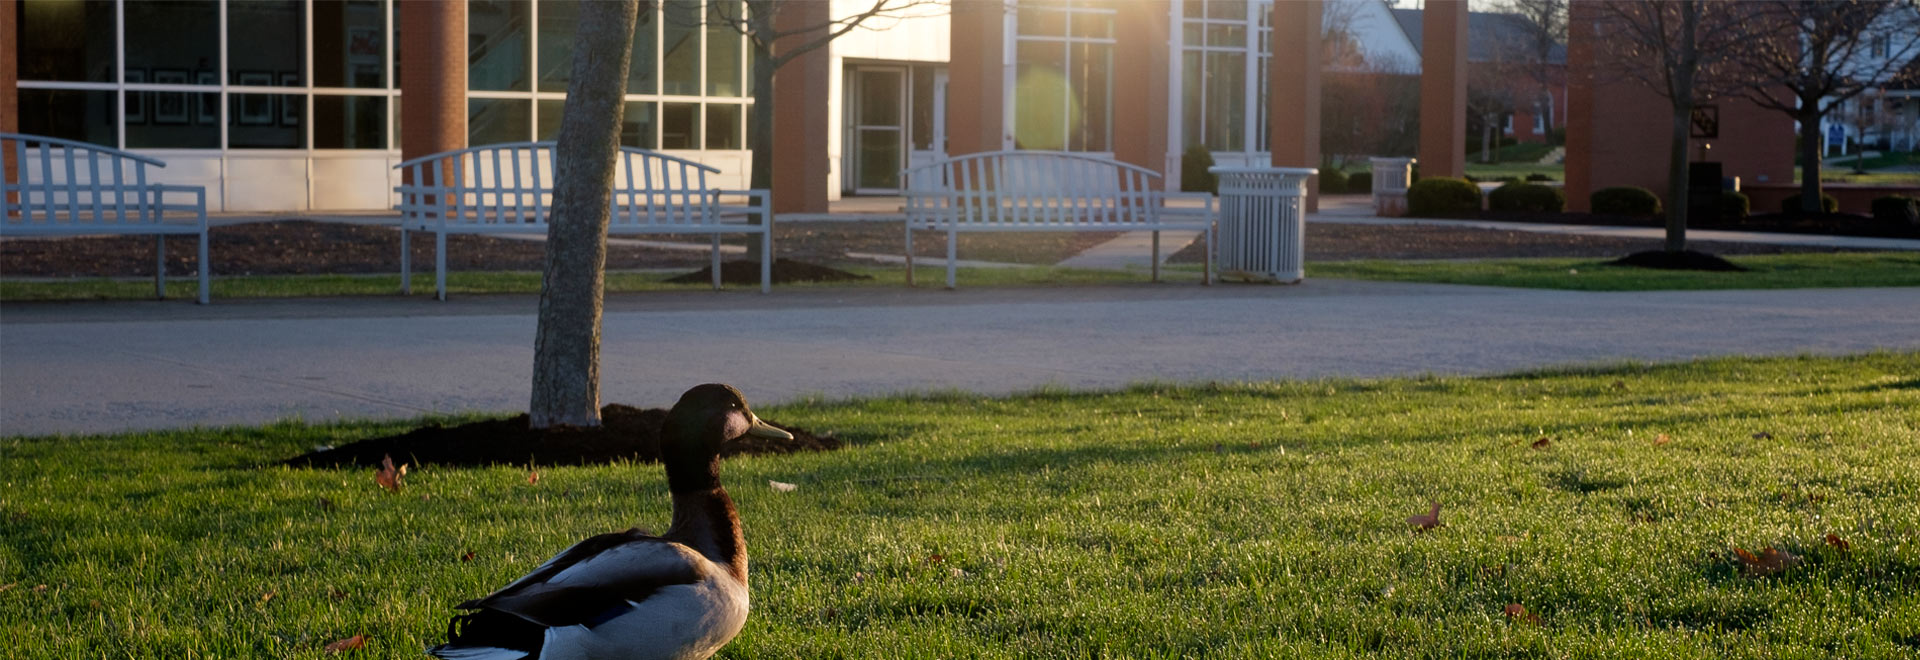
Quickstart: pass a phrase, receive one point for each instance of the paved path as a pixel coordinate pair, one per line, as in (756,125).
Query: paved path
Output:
(97,367)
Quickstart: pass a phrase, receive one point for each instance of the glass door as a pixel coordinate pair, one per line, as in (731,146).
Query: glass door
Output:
(879,129)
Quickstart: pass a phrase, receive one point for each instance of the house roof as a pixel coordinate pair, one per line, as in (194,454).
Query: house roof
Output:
(1487,33)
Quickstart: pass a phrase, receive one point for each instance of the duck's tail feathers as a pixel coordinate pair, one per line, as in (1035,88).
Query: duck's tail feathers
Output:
(491,635)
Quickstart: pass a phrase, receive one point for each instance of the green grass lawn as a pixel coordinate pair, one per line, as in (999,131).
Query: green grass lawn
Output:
(476,282)
(1233,521)
(1774,271)
(1491,171)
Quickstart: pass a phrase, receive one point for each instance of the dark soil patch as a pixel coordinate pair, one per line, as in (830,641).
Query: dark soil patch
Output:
(1836,224)
(785,271)
(625,434)
(1682,260)
(1328,241)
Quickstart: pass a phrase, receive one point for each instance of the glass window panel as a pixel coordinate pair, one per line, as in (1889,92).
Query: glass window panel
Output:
(1041,95)
(179,120)
(1232,36)
(173,35)
(547,123)
(87,116)
(349,122)
(497,55)
(723,126)
(558,21)
(1193,101)
(724,49)
(1044,19)
(1194,34)
(1228,9)
(266,35)
(642,71)
(679,126)
(493,121)
(66,41)
(1226,96)
(681,44)
(636,125)
(260,121)
(880,97)
(1092,85)
(1194,8)
(1092,24)
(349,44)
(923,107)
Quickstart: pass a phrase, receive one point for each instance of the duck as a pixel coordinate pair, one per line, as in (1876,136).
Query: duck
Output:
(681,595)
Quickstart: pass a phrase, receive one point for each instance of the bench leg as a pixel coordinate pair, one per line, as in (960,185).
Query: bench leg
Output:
(406,263)
(953,251)
(716,262)
(766,260)
(909,255)
(1156,256)
(1206,260)
(440,265)
(160,266)
(206,279)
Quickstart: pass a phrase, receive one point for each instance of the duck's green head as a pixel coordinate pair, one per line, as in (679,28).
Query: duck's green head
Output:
(708,417)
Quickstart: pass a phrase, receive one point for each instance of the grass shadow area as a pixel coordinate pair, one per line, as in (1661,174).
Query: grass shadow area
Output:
(1778,271)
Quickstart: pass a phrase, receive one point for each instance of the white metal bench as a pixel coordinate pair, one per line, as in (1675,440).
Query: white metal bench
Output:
(1045,191)
(68,188)
(508,189)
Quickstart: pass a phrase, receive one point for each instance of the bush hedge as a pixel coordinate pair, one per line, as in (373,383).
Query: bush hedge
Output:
(1625,200)
(1897,209)
(1828,203)
(1360,183)
(1442,196)
(1527,197)
(1734,205)
(1536,176)
(1194,176)
(1333,181)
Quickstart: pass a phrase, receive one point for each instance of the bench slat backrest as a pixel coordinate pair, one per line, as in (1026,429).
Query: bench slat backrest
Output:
(504,184)
(1033,188)
(60,182)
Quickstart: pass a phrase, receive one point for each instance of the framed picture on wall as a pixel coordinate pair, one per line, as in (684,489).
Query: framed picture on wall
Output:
(255,109)
(136,108)
(170,108)
(291,106)
(206,108)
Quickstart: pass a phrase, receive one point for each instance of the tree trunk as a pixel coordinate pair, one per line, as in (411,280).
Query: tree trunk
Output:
(760,130)
(1677,176)
(566,347)
(1811,135)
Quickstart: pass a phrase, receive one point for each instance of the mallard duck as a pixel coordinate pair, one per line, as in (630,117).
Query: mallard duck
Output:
(630,595)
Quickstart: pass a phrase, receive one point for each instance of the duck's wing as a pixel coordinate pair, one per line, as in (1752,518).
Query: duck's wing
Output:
(595,580)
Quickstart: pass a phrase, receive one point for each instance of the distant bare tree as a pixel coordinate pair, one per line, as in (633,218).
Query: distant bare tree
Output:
(566,344)
(1681,50)
(1822,53)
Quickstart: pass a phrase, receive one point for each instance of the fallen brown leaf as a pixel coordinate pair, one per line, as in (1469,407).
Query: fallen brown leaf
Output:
(936,558)
(387,476)
(39,588)
(1429,520)
(533,477)
(1770,562)
(1662,439)
(354,643)
(1763,435)
(1619,384)
(336,593)
(9,585)
(467,557)
(1542,443)
(268,596)
(1519,612)
(1837,542)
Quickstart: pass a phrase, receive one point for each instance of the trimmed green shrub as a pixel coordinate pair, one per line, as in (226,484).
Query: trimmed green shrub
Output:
(1899,209)
(1536,176)
(1828,203)
(1194,176)
(1527,197)
(1734,206)
(1442,196)
(1360,183)
(1333,181)
(1625,200)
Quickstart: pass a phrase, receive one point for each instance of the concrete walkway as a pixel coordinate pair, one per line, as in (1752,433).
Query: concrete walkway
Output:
(101,367)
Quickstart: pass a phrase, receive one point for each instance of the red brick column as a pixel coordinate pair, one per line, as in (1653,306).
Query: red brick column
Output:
(800,91)
(1293,109)
(1140,87)
(1443,88)
(433,78)
(976,86)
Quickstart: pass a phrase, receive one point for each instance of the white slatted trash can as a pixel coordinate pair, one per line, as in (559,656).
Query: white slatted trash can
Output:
(1263,223)
(1391,176)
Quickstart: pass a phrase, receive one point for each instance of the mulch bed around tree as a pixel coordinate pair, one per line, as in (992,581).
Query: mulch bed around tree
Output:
(1682,260)
(1836,224)
(625,434)
(784,271)
(1340,242)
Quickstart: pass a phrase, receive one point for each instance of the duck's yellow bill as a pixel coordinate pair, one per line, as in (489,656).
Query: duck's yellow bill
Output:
(765,430)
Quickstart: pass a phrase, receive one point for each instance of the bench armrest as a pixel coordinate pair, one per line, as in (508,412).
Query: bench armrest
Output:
(198,206)
(759,202)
